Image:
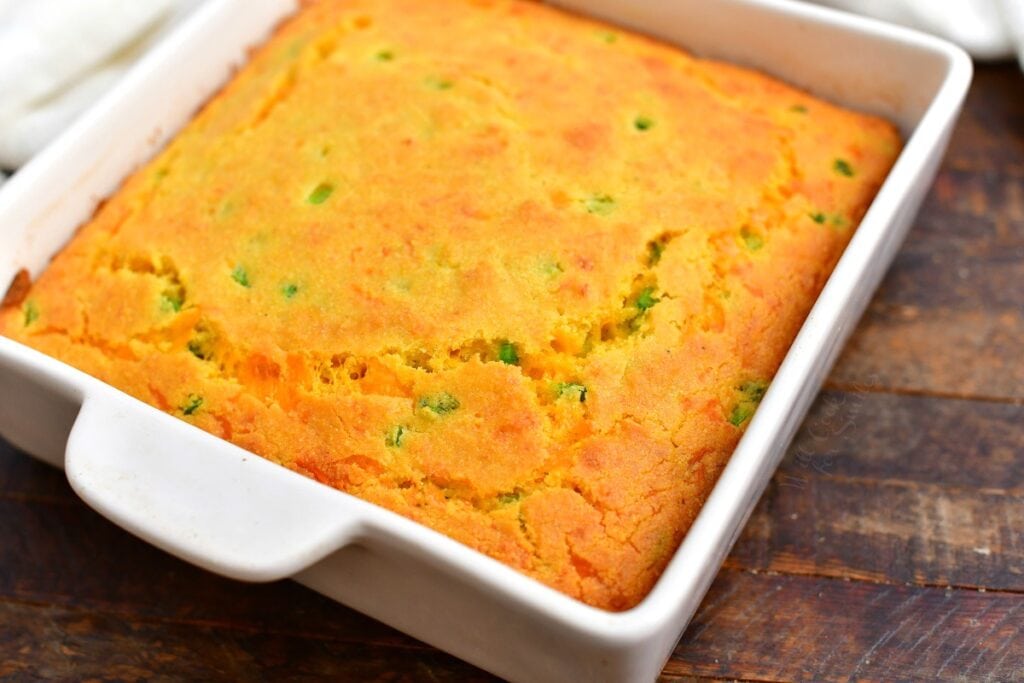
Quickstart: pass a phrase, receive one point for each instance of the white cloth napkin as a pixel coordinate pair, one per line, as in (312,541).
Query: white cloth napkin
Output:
(58,56)
(988,29)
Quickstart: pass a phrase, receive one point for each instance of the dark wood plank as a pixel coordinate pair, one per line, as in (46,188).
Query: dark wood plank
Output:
(965,353)
(897,489)
(794,628)
(70,556)
(46,642)
(965,248)
(988,134)
(959,443)
(22,477)
(949,316)
(888,532)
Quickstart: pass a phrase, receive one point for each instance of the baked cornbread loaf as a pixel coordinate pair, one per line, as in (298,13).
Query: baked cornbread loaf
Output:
(514,274)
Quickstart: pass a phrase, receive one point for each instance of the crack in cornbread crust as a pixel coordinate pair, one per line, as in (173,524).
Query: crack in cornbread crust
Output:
(519,276)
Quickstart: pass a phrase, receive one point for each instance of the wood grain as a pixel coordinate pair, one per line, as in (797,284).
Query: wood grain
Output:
(23,478)
(794,628)
(69,556)
(890,531)
(943,441)
(990,133)
(893,488)
(47,642)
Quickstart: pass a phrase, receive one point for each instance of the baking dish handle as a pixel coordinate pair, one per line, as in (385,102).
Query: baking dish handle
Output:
(198,497)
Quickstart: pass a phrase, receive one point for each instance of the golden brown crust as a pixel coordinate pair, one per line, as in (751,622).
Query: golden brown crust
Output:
(517,275)
(20,285)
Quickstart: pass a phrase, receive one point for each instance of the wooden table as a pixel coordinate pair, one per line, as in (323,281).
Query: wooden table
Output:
(890,544)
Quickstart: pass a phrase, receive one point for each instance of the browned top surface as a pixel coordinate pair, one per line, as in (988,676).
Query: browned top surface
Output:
(889,546)
(383,237)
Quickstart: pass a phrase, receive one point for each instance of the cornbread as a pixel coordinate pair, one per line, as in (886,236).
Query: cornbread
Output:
(517,275)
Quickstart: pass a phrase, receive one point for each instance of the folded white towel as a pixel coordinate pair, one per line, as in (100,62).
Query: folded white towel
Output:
(48,45)
(58,56)
(988,29)
(23,134)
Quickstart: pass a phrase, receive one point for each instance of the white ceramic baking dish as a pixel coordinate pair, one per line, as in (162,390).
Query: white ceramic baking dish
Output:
(216,505)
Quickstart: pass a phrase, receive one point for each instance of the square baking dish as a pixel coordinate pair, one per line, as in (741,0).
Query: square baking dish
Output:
(222,508)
